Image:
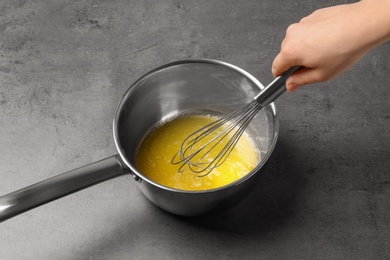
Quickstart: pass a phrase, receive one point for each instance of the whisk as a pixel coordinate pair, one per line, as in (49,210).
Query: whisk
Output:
(223,134)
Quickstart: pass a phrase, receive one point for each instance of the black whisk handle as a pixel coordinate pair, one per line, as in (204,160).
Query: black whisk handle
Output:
(275,88)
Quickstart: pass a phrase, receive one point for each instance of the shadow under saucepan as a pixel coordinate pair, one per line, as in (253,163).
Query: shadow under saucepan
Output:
(271,203)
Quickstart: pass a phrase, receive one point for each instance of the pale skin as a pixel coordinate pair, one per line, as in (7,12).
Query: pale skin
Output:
(331,40)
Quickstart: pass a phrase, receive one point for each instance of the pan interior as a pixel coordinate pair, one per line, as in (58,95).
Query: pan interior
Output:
(187,88)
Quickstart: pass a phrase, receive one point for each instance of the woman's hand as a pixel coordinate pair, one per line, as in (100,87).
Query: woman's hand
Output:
(330,40)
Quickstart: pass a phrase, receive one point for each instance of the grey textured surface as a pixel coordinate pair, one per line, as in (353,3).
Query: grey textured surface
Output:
(64,66)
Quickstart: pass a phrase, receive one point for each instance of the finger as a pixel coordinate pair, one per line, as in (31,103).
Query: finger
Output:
(281,64)
(275,70)
(303,77)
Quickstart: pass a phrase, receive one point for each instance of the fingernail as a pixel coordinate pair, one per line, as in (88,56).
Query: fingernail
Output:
(292,86)
(274,71)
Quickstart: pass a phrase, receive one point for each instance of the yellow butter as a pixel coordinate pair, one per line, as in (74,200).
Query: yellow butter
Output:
(158,148)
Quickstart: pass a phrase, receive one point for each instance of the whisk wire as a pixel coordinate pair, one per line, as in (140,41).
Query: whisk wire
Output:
(195,157)
(195,154)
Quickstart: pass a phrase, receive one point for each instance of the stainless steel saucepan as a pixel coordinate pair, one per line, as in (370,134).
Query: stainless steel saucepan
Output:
(187,86)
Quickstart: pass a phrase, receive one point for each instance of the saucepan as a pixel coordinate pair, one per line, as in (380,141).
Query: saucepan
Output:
(186,86)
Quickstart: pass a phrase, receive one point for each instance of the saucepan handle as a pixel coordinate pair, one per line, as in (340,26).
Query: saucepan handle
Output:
(59,186)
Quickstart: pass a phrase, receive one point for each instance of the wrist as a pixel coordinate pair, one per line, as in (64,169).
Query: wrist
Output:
(377,20)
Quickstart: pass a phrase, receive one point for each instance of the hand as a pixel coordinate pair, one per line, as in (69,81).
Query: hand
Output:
(330,40)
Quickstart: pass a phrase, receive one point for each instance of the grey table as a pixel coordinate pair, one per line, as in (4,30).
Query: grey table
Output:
(64,66)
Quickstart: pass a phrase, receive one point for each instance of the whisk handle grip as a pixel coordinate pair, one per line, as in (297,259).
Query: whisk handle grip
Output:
(275,88)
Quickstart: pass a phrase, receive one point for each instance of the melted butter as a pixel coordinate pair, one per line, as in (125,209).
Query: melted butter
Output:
(158,148)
